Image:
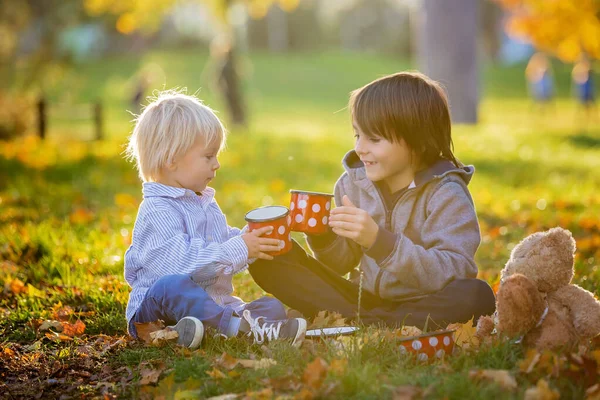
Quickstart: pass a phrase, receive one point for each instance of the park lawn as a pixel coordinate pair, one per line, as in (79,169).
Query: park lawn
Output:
(67,208)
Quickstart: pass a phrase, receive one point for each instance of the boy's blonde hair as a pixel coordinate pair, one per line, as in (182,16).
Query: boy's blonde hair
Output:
(167,128)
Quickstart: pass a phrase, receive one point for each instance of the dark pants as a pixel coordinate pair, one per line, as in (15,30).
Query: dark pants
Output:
(307,285)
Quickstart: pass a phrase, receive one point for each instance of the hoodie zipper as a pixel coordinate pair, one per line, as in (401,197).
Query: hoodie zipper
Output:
(388,223)
(388,226)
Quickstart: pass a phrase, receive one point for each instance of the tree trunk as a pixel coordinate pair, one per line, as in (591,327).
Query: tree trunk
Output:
(277,29)
(447,52)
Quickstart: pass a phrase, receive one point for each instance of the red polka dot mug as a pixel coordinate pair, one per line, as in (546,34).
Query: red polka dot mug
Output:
(275,216)
(309,211)
(429,346)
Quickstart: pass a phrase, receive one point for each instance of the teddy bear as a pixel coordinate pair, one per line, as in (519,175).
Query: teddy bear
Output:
(536,299)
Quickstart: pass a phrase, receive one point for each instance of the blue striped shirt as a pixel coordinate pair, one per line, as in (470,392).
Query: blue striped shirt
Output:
(180,232)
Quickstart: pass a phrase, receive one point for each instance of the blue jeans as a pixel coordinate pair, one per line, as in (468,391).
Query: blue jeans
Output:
(173,297)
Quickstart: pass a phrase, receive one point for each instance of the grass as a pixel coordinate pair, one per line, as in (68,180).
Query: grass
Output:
(67,208)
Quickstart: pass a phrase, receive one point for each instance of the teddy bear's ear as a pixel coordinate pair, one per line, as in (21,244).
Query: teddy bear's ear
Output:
(561,238)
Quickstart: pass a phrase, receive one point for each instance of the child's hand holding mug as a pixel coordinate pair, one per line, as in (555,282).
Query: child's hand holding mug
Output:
(259,246)
(353,223)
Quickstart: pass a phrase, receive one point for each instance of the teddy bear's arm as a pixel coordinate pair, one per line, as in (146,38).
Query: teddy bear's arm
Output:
(584,309)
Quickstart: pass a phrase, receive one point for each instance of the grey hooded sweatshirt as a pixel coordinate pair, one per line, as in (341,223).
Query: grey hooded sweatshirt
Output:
(426,240)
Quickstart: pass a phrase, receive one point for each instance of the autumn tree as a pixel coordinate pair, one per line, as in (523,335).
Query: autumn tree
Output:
(565,28)
(146,16)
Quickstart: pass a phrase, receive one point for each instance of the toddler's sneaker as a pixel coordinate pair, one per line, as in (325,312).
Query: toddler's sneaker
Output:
(190,330)
(293,328)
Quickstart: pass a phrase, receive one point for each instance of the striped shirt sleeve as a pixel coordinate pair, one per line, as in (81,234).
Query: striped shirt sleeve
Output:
(166,248)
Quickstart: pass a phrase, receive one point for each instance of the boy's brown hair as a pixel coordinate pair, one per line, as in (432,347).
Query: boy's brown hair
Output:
(409,106)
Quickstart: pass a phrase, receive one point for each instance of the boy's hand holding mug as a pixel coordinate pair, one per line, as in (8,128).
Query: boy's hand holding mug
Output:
(353,223)
(258,246)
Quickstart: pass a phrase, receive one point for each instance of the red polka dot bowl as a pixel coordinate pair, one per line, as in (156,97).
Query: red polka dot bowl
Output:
(309,211)
(275,216)
(429,346)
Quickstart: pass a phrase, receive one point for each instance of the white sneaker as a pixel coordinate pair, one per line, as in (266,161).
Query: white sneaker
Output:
(191,332)
(294,328)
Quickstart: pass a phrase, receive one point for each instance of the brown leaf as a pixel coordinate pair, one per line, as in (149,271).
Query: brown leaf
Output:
(407,392)
(228,396)
(58,337)
(61,313)
(315,373)
(149,375)
(541,391)
(75,329)
(265,394)
(144,329)
(226,361)
(162,336)
(216,374)
(283,383)
(499,376)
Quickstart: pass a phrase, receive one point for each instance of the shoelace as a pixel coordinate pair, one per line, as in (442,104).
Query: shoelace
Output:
(259,332)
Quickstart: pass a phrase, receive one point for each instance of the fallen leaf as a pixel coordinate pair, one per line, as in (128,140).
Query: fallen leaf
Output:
(216,374)
(163,335)
(499,376)
(258,364)
(58,337)
(61,313)
(226,361)
(464,335)
(148,376)
(15,285)
(541,391)
(75,329)
(144,329)
(47,325)
(315,373)
(326,319)
(410,331)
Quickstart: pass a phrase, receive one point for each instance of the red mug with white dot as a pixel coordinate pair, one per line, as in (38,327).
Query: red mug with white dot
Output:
(309,211)
(275,216)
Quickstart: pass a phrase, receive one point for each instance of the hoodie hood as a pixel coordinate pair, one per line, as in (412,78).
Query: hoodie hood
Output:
(356,171)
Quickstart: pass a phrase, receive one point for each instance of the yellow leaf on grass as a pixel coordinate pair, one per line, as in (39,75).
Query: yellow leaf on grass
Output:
(464,335)
(326,319)
(216,374)
(541,391)
(499,376)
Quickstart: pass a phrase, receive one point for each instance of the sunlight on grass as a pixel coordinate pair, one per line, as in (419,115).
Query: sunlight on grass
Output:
(68,206)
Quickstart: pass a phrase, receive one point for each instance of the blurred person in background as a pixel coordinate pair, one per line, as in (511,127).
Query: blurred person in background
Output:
(540,81)
(583,85)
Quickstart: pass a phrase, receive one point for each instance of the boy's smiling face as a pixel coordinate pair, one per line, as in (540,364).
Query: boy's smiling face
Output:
(391,162)
(196,168)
